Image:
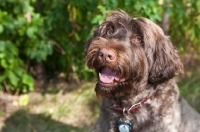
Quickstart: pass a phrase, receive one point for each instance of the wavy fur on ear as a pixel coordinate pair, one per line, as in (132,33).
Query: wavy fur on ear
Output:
(163,59)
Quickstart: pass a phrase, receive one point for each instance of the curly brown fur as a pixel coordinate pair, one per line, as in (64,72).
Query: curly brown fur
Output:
(134,60)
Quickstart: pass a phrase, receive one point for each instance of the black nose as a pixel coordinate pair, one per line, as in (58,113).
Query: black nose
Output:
(107,55)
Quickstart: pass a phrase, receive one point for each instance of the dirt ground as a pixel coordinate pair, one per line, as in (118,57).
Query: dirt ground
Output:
(59,108)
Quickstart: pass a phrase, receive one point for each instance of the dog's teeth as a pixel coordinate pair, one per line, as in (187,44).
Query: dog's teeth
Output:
(99,74)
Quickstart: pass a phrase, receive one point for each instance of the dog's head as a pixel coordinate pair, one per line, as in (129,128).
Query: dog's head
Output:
(127,51)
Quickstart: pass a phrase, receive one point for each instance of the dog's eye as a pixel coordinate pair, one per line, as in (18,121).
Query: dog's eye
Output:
(109,32)
(137,40)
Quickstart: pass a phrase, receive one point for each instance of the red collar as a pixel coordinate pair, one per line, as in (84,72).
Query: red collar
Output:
(134,108)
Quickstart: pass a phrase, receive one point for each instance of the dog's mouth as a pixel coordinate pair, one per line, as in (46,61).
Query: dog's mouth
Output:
(109,77)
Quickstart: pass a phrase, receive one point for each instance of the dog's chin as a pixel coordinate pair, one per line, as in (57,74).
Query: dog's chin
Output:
(114,89)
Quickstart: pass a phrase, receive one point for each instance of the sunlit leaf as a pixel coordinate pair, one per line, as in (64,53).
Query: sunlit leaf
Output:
(24,100)
(4,63)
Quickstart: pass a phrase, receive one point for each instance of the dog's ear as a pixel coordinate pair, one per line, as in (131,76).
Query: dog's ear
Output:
(166,62)
(163,59)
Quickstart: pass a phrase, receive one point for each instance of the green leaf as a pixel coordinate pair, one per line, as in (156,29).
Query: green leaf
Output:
(2,55)
(24,100)
(77,37)
(19,72)
(1,29)
(2,78)
(14,80)
(26,79)
(2,46)
(31,87)
(30,32)
(28,83)
(4,63)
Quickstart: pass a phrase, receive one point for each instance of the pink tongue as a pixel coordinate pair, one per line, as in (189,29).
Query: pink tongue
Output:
(108,76)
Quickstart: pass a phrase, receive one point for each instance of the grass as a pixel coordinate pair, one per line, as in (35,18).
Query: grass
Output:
(55,112)
(73,109)
(190,89)
(23,121)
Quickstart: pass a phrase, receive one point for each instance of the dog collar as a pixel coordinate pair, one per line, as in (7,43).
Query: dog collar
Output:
(134,108)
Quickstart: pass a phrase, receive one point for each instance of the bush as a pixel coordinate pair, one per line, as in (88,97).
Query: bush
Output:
(22,39)
(55,32)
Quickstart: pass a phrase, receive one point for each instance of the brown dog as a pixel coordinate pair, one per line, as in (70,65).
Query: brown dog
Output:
(135,63)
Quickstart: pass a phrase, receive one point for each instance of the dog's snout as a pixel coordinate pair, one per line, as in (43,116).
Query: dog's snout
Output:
(107,55)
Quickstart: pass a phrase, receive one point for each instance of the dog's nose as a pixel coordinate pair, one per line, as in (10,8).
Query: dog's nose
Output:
(107,54)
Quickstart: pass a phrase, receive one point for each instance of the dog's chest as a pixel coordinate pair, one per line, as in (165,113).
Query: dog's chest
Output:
(142,120)
(125,116)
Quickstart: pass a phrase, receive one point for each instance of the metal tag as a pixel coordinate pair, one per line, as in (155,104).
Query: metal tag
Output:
(124,127)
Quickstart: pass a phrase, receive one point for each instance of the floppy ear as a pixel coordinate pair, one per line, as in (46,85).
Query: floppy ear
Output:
(163,59)
(166,62)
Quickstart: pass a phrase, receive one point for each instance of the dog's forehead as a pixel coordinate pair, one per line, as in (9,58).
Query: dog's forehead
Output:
(123,30)
(129,27)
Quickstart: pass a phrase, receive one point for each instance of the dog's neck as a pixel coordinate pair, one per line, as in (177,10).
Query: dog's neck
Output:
(128,100)
(134,108)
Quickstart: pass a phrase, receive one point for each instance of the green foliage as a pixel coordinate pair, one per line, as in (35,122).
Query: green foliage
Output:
(68,25)
(21,39)
(185,24)
(56,31)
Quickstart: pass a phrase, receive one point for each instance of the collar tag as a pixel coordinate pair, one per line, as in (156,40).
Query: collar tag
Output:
(124,126)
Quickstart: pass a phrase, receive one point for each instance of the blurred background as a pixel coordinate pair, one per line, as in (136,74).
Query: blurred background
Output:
(45,85)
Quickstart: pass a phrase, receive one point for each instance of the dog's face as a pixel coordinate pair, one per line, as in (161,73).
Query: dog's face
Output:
(126,52)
